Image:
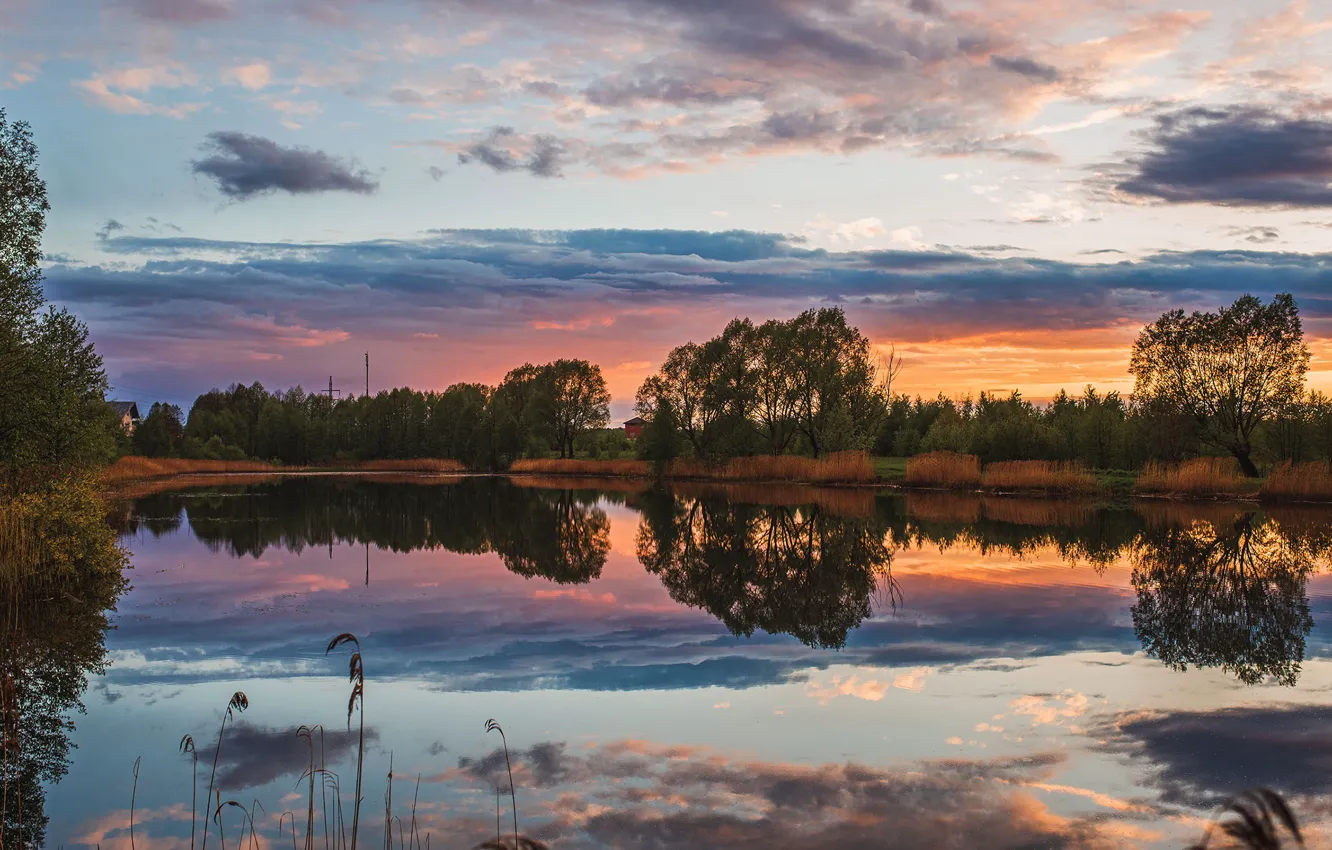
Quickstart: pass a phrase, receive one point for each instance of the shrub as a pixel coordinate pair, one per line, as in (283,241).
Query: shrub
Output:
(1298,482)
(944,469)
(1044,475)
(1202,476)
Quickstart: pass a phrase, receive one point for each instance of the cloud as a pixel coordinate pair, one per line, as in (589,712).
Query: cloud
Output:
(254,76)
(1027,67)
(246,166)
(109,227)
(1202,757)
(182,11)
(1257,234)
(503,150)
(637,794)
(98,90)
(1235,156)
(254,756)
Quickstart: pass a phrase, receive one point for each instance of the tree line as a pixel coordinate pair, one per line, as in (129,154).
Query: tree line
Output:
(1229,382)
(535,410)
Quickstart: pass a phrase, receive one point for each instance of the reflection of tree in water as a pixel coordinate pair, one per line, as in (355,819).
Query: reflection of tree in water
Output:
(561,535)
(52,638)
(557,536)
(791,570)
(1229,594)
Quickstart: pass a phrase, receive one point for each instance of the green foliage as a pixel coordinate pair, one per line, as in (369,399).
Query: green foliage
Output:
(52,415)
(160,433)
(534,410)
(661,441)
(1229,371)
(807,384)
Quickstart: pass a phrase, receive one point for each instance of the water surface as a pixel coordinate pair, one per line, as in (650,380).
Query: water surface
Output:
(708,668)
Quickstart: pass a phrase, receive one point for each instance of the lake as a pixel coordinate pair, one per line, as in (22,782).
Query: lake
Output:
(704,667)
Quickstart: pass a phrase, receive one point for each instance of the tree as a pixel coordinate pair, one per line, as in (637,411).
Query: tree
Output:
(660,441)
(839,403)
(579,401)
(1229,371)
(161,433)
(52,416)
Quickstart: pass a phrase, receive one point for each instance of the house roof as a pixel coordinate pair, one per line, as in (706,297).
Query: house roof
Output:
(125,408)
(637,420)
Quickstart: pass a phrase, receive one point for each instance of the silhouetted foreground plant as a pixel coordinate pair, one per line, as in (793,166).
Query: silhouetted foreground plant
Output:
(356,675)
(493,726)
(522,843)
(238,703)
(1256,820)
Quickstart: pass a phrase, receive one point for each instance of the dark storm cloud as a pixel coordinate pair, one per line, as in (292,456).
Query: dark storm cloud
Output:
(1239,156)
(245,166)
(1027,67)
(1201,757)
(540,156)
(256,755)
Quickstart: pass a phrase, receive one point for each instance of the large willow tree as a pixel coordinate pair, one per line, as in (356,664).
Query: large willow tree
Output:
(1230,370)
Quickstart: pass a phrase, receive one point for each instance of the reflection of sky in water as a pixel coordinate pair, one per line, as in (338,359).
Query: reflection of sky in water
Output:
(1006,703)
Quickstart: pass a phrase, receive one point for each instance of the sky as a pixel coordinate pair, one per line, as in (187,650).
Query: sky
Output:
(1003,191)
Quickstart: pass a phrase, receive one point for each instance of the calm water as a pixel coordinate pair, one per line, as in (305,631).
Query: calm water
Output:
(700,669)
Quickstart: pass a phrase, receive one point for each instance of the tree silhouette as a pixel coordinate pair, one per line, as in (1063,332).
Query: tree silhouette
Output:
(786,570)
(1230,370)
(1229,595)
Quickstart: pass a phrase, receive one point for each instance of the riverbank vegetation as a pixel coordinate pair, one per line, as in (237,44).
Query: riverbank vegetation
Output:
(760,401)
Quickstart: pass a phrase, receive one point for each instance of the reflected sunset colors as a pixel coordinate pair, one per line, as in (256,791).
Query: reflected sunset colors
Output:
(706,667)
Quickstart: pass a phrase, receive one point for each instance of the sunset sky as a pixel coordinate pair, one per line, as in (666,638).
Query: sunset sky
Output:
(1005,190)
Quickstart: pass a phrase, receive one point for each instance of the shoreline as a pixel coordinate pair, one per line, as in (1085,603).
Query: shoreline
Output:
(125,487)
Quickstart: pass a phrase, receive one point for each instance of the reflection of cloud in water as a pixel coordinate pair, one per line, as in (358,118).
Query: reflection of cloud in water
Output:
(1201,757)
(635,794)
(253,756)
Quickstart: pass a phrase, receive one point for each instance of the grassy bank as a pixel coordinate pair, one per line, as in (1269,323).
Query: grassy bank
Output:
(129,470)
(837,468)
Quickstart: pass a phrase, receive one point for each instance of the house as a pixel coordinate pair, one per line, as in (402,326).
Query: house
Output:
(128,413)
(634,427)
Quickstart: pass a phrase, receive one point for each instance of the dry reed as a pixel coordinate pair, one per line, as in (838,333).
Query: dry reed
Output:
(129,469)
(837,468)
(1298,482)
(943,469)
(1202,476)
(1038,475)
(581,466)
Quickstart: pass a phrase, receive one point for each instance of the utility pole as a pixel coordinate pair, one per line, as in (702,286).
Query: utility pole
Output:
(331,391)
(367,373)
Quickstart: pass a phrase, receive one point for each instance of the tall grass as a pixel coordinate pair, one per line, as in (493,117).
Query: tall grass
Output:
(1202,476)
(943,469)
(1298,482)
(1038,475)
(580,466)
(139,468)
(837,468)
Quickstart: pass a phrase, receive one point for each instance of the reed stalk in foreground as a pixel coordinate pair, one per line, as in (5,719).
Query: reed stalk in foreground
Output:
(134,793)
(187,747)
(493,726)
(356,677)
(1256,821)
(238,703)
